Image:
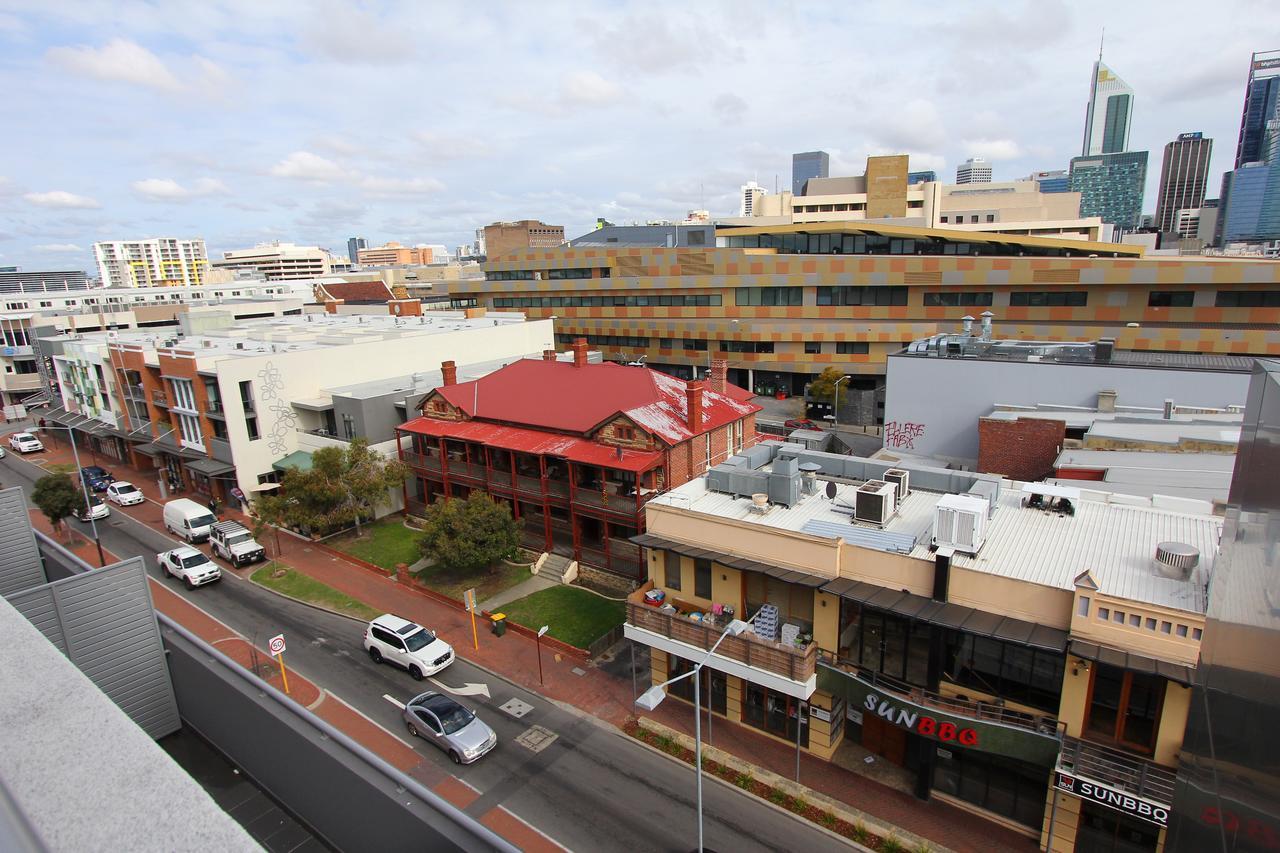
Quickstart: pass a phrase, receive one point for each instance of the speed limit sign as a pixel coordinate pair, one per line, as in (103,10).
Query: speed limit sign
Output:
(276,644)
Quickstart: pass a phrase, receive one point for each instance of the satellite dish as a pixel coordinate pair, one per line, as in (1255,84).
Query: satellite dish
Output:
(831,490)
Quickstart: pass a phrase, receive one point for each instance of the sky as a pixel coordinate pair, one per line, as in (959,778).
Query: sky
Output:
(310,122)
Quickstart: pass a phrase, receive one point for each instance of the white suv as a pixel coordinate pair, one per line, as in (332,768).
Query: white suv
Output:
(406,644)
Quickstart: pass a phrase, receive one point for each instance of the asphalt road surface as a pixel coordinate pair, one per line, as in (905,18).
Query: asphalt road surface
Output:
(589,789)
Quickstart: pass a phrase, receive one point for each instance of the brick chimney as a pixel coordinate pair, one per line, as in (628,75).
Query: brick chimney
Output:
(548,355)
(579,352)
(404,307)
(719,372)
(450,372)
(693,394)
(331,306)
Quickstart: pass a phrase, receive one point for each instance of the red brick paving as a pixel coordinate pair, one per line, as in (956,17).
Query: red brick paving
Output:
(514,657)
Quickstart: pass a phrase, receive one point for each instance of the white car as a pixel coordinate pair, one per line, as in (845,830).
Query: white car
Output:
(97,509)
(25,442)
(123,493)
(407,645)
(189,565)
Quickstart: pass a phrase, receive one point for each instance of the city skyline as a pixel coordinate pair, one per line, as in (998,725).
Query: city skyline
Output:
(516,131)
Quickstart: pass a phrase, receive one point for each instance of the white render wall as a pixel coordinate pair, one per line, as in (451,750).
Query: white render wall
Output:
(280,378)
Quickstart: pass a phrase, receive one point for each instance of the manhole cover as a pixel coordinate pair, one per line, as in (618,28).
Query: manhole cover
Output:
(516,708)
(536,738)
(577,670)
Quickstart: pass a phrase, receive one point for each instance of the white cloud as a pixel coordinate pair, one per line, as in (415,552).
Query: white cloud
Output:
(347,34)
(167,189)
(57,248)
(729,107)
(119,60)
(589,89)
(400,186)
(305,166)
(915,125)
(452,146)
(62,199)
(993,149)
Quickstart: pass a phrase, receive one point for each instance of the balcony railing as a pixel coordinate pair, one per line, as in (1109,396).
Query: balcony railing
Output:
(420,460)
(160,398)
(1115,769)
(795,663)
(214,407)
(135,392)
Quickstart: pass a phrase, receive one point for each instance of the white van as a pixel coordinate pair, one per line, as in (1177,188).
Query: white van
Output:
(188,519)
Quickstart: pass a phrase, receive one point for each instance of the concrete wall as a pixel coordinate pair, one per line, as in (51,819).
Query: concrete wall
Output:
(935,403)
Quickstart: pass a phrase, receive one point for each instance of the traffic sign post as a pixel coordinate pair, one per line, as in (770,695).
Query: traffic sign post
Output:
(469,599)
(276,646)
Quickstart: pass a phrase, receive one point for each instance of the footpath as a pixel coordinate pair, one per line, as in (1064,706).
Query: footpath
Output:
(576,683)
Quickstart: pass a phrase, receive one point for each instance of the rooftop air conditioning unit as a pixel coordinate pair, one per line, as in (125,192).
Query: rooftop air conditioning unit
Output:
(874,502)
(901,479)
(960,522)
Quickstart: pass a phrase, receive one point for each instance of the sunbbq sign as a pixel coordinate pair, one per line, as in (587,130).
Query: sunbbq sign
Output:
(1113,798)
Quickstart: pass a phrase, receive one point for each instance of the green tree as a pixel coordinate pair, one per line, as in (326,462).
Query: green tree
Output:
(823,388)
(57,497)
(468,534)
(342,488)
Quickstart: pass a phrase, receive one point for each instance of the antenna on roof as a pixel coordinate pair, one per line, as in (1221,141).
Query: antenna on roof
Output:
(1100,43)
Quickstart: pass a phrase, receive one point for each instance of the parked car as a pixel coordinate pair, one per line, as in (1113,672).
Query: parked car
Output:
(800,423)
(188,565)
(97,509)
(188,519)
(124,493)
(232,542)
(96,477)
(2,453)
(407,645)
(449,725)
(25,442)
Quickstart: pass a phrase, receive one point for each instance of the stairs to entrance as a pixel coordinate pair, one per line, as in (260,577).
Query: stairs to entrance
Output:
(556,567)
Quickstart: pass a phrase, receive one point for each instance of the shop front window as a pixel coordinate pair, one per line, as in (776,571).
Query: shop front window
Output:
(1104,830)
(775,713)
(713,684)
(1006,786)
(883,643)
(1004,670)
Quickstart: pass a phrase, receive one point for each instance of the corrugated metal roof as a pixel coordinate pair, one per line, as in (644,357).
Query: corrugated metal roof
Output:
(1086,458)
(867,537)
(537,442)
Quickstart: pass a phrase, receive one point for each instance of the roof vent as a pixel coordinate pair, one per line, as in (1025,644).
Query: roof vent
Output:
(1176,560)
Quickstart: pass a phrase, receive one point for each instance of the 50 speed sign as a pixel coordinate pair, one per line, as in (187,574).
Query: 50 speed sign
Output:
(276,644)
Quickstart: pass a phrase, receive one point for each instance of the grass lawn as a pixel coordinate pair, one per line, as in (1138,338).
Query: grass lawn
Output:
(312,591)
(61,468)
(384,543)
(576,616)
(488,582)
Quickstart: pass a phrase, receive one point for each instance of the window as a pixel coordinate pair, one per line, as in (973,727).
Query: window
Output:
(251,424)
(1170,298)
(852,348)
(794,603)
(768,296)
(189,427)
(219,428)
(812,347)
(1124,707)
(702,578)
(183,395)
(944,219)
(575,272)
(1049,298)
(348,426)
(624,433)
(991,217)
(672,570)
(619,300)
(775,713)
(1007,670)
(608,340)
(953,299)
(246,395)
(694,344)
(1247,299)
(712,687)
(1006,786)
(854,295)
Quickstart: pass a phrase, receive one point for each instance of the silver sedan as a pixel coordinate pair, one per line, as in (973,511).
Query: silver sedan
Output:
(438,719)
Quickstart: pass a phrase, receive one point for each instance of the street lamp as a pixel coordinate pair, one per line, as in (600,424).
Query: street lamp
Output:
(653,697)
(538,640)
(84,487)
(835,402)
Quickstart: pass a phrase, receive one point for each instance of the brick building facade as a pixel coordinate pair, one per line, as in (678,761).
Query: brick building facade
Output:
(1021,449)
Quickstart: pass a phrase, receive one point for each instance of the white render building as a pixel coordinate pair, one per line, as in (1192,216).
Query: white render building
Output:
(278,261)
(157,261)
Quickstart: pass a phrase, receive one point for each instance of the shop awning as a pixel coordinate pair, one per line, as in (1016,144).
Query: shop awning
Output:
(538,443)
(648,540)
(299,459)
(1130,661)
(950,615)
(210,467)
(153,448)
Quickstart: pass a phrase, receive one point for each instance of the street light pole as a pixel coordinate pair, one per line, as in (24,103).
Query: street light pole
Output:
(84,487)
(835,402)
(538,641)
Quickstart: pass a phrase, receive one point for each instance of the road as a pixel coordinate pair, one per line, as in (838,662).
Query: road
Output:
(591,788)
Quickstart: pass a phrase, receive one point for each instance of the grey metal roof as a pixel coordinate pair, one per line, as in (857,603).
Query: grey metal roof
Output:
(1183,360)
(648,540)
(210,467)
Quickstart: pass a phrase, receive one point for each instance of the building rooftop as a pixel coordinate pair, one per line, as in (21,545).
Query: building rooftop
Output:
(1100,353)
(1205,476)
(304,332)
(426,381)
(1134,425)
(1113,537)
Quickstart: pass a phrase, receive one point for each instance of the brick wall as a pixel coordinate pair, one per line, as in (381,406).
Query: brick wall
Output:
(436,406)
(1022,449)
(614,434)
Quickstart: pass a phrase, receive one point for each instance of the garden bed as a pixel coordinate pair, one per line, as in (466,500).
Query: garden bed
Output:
(854,831)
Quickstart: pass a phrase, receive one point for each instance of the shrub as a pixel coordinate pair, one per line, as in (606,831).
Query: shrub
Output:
(891,845)
(743,781)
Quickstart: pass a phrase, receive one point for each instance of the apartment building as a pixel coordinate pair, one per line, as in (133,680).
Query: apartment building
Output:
(225,406)
(155,262)
(500,238)
(575,449)
(14,281)
(278,261)
(392,254)
(1019,650)
(782,303)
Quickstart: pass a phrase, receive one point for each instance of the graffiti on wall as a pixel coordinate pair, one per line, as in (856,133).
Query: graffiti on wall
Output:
(902,435)
(286,419)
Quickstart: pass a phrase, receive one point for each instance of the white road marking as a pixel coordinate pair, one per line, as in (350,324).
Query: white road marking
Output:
(393,701)
(467,689)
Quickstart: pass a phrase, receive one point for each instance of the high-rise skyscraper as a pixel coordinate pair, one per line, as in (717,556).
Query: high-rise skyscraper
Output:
(806,165)
(1109,114)
(1111,186)
(975,170)
(151,262)
(751,191)
(354,245)
(1182,178)
(1261,95)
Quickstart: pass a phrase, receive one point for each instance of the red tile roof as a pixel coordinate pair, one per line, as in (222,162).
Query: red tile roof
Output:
(353,291)
(537,442)
(558,395)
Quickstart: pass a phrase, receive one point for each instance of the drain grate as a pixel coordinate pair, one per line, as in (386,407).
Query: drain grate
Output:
(536,738)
